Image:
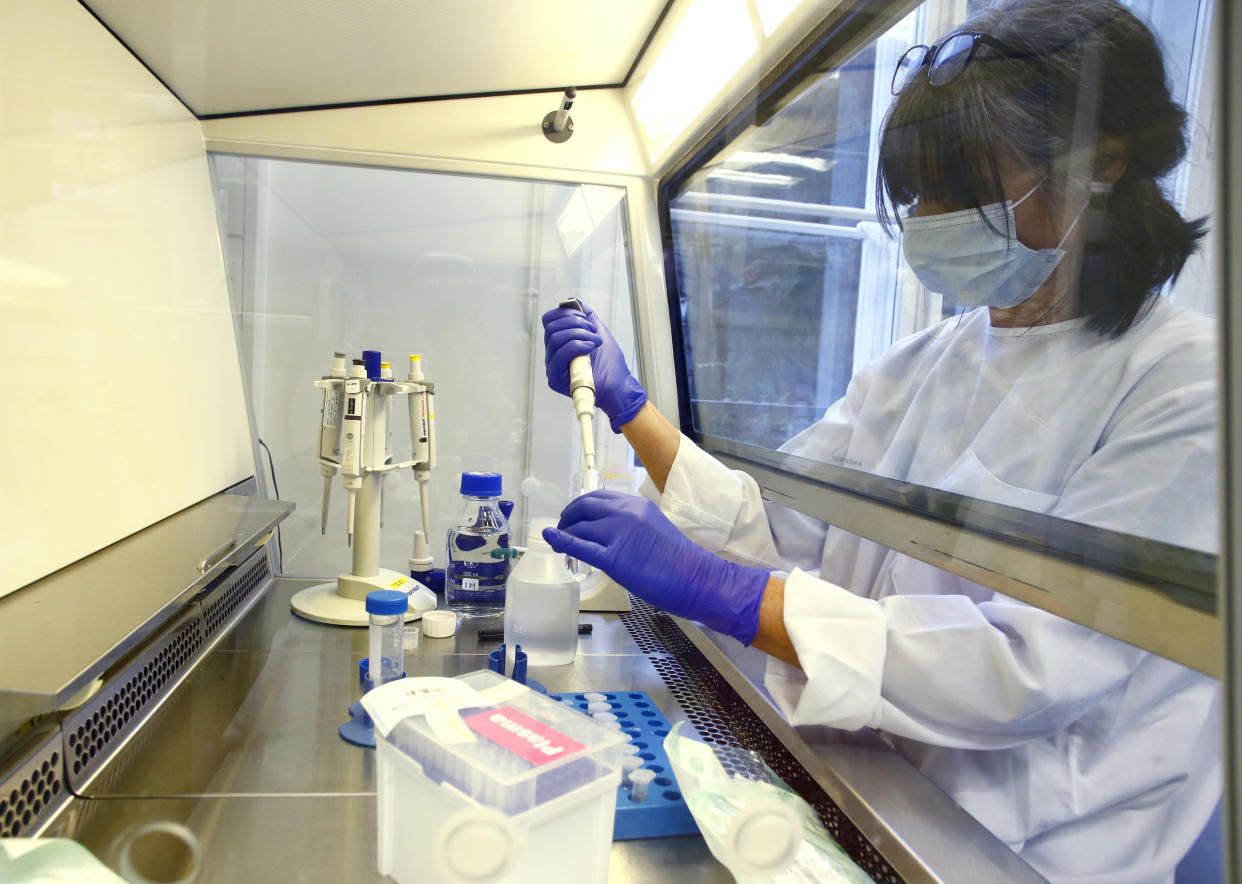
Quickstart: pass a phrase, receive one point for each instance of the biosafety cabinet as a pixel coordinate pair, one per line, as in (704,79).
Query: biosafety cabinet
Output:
(204,202)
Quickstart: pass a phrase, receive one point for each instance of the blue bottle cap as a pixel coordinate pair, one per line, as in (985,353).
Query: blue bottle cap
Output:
(387,601)
(481,484)
(371,359)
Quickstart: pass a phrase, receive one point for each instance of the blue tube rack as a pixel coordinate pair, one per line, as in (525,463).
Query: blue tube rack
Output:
(664,812)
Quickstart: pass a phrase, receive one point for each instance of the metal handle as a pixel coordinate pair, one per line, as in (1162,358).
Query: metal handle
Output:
(216,556)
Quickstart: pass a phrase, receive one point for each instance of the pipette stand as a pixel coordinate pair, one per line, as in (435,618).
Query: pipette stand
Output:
(342,602)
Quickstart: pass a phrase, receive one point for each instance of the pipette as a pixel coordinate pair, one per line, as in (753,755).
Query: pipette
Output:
(330,437)
(582,391)
(385,375)
(351,439)
(423,435)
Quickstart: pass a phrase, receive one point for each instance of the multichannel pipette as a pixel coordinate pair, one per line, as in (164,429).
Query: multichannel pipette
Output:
(582,391)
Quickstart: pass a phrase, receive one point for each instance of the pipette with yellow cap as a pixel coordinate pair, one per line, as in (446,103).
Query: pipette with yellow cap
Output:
(423,436)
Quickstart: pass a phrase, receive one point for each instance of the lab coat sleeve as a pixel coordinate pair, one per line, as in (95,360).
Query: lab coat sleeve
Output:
(940,669)
(722,509)
(960,673)
(718,508)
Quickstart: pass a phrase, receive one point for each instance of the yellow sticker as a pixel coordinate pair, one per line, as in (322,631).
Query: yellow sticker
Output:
(399,582)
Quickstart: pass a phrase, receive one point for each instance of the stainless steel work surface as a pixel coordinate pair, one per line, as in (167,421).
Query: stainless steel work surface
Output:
(245,752)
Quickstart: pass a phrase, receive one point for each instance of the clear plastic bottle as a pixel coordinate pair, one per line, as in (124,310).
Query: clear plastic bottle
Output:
(478,550)
(541,611)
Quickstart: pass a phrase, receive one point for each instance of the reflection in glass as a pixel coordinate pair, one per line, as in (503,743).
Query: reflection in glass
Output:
(976,285)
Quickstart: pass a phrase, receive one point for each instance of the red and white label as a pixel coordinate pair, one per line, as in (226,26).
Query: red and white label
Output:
(522,735)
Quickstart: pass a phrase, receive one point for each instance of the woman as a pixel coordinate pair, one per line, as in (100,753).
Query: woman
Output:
(1022,156)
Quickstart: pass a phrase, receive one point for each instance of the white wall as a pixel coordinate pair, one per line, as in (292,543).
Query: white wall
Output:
(125,398)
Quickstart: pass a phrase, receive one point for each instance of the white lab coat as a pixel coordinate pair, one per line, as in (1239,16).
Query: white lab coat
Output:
(1093,760)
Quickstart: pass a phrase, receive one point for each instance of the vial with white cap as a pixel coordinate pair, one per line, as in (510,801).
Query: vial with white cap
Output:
(640,780)
(386,610)
(541,603)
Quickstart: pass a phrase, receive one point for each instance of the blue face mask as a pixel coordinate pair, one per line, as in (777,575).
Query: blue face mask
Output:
(963,258)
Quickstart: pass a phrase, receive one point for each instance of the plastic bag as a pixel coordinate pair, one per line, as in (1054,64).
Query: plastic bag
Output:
(753,823)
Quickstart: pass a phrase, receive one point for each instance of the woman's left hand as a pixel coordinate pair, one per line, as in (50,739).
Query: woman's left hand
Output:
(636,545)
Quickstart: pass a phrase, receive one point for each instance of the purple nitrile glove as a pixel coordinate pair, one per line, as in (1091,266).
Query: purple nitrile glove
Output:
(635,544)
(568,334)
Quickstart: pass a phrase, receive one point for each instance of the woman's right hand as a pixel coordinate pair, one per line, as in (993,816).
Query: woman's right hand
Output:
(568,334)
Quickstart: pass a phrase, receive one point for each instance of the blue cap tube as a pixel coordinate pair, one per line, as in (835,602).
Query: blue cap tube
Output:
(371,359)
(386,610)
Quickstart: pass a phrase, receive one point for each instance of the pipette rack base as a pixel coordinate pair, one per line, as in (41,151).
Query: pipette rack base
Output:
(664,812)
(328,602)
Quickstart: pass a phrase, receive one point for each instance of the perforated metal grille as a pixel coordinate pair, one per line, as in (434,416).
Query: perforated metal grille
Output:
(102,721)
(33,790)
(723,719)
(653,630)
(225,601)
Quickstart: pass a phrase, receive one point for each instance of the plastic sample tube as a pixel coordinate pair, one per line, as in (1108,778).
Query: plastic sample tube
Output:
(603,717)
(386,611)
(599,706)
(629,765)
(639,781)
(595,698)
(629,749)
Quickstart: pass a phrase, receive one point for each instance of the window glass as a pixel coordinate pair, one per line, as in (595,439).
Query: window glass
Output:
(325,258)
(791,286)
(962,274)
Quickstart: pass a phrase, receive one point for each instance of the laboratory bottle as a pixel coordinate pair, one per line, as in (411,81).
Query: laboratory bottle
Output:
(477,564)
(386,610)
(541,604)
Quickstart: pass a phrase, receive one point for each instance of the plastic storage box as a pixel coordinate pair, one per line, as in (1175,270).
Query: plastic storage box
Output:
(517,788)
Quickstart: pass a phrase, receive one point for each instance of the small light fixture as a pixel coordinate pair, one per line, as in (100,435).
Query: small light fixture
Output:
(558,125)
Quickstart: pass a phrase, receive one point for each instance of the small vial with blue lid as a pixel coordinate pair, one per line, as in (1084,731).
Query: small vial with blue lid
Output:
(478,561)
(386,609)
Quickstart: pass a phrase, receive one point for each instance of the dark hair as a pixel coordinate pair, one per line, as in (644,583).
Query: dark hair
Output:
(1067,68)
